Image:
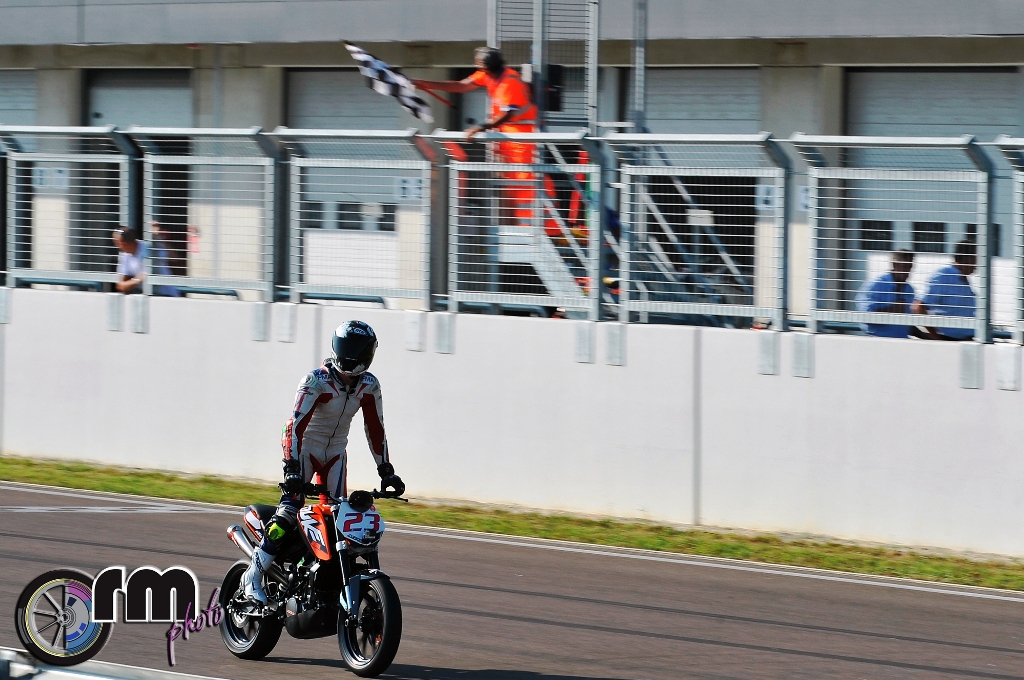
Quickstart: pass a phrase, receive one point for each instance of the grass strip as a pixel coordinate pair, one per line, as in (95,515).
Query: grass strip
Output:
(884,561)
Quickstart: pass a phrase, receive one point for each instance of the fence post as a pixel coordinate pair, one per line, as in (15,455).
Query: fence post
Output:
(11,226)
(1018,255)
(983,328)
(625,225)
(453,239)
(812,254)
(147,225)
(783,211)
(294,231)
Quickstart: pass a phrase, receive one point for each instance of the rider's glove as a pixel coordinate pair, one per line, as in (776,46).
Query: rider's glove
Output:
(292,484)
(392,481)
(292,477)
(388,478)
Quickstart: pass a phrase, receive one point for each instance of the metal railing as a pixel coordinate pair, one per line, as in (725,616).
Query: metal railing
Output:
(703,227)
(359,223)
(207,209)
(899,235)
(525,220)
(67,190)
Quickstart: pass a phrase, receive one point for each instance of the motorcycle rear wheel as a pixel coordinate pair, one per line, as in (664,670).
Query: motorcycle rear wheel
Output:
(369,646)
(247,637)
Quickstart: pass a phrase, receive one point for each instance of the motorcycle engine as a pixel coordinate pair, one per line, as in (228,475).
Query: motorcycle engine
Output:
(305,622)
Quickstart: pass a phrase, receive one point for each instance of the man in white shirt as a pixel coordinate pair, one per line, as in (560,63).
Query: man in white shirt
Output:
(131,261)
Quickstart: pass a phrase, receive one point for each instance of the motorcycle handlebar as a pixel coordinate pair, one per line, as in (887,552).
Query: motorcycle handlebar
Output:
(310,489)
(388,494)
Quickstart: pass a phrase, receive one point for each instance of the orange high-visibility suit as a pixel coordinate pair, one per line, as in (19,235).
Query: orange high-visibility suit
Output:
(508,92)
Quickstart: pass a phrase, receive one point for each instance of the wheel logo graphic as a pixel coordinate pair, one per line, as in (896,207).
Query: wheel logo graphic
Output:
(53,618)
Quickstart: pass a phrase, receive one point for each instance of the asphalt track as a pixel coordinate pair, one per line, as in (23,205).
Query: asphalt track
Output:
(481,607)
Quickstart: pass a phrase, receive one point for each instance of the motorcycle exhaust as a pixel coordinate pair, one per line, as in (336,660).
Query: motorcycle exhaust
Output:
(239,538)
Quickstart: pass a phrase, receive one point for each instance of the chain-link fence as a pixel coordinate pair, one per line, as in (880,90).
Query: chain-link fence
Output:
(524,222)
(899,234)
(67,190)
(704,228)
(208,210)
(359,214)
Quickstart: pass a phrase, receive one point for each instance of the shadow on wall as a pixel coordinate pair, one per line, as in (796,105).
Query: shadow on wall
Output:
(413,672)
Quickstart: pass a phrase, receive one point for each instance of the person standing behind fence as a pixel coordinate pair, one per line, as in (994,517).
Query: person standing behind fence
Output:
(512,110)
(889,293)
(131,264)
(161,261)
(131,260)
(950,293)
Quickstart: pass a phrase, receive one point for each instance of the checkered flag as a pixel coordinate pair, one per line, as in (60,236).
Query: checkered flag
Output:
(382,78)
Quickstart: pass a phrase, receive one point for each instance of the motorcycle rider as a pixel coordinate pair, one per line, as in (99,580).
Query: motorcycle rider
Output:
(315,438)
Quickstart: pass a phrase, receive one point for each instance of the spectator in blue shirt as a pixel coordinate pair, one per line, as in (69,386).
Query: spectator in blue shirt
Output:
(950,294)
(161,266)
(889,293)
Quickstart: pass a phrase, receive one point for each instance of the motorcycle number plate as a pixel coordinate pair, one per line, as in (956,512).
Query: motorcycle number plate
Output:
(360,527)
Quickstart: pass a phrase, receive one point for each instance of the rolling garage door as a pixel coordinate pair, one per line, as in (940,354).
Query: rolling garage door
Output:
(942,103)
(339,99)
(17,97)
(704,100)
(934,103)
(146,97)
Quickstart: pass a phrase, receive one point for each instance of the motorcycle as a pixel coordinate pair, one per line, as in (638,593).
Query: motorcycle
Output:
(325,580)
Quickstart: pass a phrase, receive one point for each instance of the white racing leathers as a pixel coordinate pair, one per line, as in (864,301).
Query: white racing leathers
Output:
(317,433)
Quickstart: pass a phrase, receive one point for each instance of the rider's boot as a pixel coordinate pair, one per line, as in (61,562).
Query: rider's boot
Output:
(252,579)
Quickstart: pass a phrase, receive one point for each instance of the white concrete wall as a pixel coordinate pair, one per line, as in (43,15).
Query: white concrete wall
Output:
(882,444)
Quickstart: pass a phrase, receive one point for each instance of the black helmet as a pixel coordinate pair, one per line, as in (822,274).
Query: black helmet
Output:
(352,347)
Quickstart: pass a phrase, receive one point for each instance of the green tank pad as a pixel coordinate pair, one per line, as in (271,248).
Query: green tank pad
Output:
(276,532)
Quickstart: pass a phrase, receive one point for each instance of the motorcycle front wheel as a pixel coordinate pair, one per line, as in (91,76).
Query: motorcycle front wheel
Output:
(369,645)
(247,637)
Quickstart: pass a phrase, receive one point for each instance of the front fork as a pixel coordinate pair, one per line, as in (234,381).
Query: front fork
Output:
(351,590)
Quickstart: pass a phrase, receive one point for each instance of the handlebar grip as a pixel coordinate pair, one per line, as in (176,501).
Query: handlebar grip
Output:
(388,494)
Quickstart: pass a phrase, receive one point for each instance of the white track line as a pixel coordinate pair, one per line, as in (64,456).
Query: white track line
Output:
(94,669)
(111,496)
(98,495)
(102,509)
(712,563)
(588,549)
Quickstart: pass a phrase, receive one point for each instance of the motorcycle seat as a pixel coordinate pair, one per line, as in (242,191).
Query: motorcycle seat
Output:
(254,527)
(264,512)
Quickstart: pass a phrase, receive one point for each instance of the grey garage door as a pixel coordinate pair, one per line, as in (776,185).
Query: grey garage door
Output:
(339,99)
(704,100)
(17,97)
(934,103)
(146,97)
(942,103)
